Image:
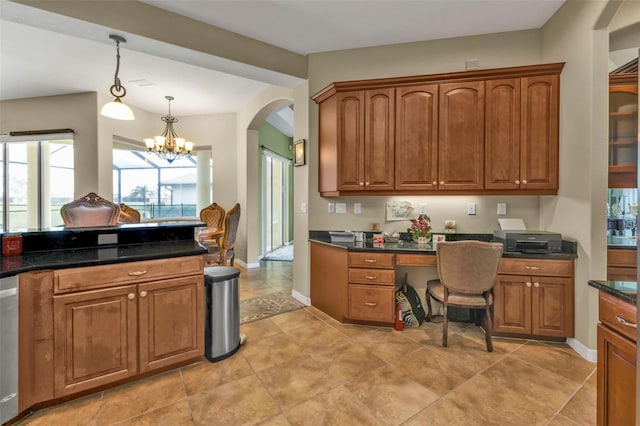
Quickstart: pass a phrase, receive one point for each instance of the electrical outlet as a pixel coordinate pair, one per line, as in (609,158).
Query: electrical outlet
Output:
(303,207)
(422,208)
(357,208)
(341,207)
(331,207)
(471,208)
(502,209)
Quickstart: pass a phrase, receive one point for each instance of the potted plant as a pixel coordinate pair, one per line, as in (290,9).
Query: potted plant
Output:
(421,229)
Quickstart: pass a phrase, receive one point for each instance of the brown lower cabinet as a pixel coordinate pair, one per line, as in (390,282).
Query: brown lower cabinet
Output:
(621,264)
(107,333)
(616,362)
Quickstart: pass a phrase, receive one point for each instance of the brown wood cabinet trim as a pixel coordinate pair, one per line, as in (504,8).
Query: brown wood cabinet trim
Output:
(610,307)
(444,192)
(619,79)
(506,72)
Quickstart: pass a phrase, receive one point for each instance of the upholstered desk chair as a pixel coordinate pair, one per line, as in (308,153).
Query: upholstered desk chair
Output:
(213,215)
(467,271)
(223,253)
(128,214)
(90,210)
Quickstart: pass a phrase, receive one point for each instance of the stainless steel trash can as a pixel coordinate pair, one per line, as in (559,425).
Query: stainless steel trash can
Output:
(222,323)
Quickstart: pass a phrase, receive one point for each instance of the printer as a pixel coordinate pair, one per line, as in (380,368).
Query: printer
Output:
(524,241)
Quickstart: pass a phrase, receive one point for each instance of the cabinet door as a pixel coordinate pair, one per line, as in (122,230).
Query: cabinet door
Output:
(379,139)
(502,134)
(623,136)
(512,304)
(461,145)
(351,141)
(539,132)
(171,321)
(552,306)
(417,137)
(95,338)
(616,379)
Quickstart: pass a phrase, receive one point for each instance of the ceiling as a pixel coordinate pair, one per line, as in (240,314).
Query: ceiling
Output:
(45,54)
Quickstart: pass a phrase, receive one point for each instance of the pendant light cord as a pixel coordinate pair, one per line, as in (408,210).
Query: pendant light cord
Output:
(116,80)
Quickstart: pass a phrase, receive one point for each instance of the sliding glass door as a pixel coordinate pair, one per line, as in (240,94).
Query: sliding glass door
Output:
(274,200)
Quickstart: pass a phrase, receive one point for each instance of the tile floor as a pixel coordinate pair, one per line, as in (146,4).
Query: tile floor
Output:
(302,367)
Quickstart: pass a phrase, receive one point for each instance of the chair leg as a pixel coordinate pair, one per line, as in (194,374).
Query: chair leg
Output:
(428,298)
(488,328)
(445,325)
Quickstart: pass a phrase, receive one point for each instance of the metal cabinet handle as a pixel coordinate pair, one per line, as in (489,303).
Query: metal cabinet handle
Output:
(371,304)
(532,268)
(370,277)
(370,260)
(131,296)
(517,182)
(137,273)
(143,293)
(441,182)
(624,322)
(366,183)
(434,183)
(528,284)
(536,285)
(361,183)
(524,181)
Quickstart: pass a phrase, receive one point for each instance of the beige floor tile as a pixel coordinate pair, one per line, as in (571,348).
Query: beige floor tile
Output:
(176,414)
(388,344)
(336,407)
(351,330)
(561,420)
(582,407)
(435,372)
(444,413)
(243,401)
(316,336)
(270,351)
(391,394)
(492,403)
(131,400)
(296,381)
(206,375)
(317,312)
(80,412)
(295,319)
(564,347)
(347,361)
(472,355)
(260,329)
(279,420)
(501,344)
(557,361)
(538,385)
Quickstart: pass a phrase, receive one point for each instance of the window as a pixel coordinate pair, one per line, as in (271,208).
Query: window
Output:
(37,179)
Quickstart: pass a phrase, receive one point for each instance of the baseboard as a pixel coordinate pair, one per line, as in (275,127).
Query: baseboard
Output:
(585,352)
(301,298)
(247,265)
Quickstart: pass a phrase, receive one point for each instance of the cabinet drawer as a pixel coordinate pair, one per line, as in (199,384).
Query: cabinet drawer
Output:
(622,258)
(371,302)
(560,268)
(371,276)
(92,277)
(371,260)
(613,311)
(615,273)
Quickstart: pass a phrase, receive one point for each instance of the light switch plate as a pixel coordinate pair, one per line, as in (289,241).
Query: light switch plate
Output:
(502,209)
(303,207)
(331,207)
(471,208)
(422,208)
(357,208)
(107,239)
(341,207)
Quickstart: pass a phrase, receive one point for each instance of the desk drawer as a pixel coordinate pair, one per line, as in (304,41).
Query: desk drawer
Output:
(415,259)
(371,302)
(558,268)
(92,277)
(371,260)
(372,276)
(622,258)
(614,311)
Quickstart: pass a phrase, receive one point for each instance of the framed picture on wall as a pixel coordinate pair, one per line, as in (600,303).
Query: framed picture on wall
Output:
(298,153)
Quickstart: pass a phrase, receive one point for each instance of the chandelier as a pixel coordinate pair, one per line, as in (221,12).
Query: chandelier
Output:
(169,146)
(116,109)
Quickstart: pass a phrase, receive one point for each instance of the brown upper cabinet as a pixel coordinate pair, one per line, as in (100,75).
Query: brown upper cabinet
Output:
(489,131)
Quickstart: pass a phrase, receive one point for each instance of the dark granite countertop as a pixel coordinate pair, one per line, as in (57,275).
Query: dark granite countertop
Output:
(624,290)
(428,249)
(626,243)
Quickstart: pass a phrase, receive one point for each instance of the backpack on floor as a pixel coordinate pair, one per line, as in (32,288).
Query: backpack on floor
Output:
(413,313)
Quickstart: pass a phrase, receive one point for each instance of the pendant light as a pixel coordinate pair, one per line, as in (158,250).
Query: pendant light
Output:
(116,109)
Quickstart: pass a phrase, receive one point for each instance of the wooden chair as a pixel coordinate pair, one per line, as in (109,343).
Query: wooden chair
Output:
(467,271)
(223,253)
(90,210)
(213,215)
(128,214)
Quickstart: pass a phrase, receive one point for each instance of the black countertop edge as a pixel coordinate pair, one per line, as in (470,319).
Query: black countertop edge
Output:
(72,258)
(427,249)
(622,247)
(623,290)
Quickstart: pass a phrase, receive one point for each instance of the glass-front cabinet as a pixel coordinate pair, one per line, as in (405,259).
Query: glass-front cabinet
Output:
(623,131)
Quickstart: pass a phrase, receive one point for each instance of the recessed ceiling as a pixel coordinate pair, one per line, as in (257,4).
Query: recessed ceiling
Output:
(46,54)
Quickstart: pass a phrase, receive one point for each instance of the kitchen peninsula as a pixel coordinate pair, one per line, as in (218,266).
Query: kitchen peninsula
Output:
(102,306)
(355,283)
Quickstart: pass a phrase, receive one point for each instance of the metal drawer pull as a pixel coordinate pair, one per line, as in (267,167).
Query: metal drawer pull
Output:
(533,268)
(371,277)
(370,260)
(528,284)
(372,304)
(536,284)
(137,273)
(131,296)
(143,293)
(624,322)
